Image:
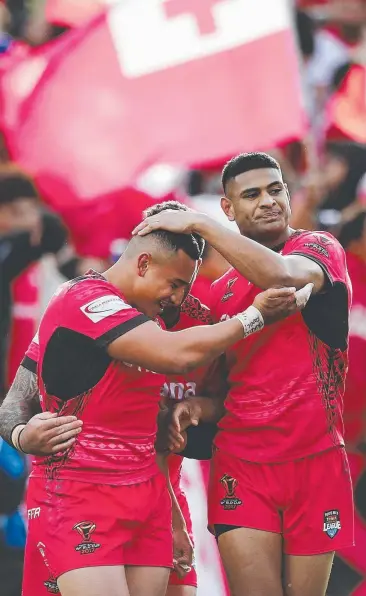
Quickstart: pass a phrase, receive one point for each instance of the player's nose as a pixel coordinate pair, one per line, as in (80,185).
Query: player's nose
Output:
(266,200)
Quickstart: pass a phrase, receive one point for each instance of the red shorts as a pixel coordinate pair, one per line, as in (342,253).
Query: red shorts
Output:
(75,524)
(308,501)
(191,578)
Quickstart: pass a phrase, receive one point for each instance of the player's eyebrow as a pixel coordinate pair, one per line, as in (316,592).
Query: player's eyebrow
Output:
(258,188)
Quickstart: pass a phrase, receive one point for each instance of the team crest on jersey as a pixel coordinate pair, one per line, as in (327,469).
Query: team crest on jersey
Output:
(229,293)
(87,546)
(332,523)
(51,586)
(230,501)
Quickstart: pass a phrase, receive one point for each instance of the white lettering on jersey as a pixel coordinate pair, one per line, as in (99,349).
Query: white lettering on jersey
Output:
(178,391)
(104,307)
(159,41)
(34,513)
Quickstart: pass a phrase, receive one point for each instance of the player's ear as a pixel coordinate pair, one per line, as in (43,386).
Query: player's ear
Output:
(288,196)
(227,207)
(143,263)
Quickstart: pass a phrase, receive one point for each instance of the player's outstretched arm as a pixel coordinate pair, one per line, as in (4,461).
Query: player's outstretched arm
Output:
(258,264)
(179,352)
(36,434)
(183,548)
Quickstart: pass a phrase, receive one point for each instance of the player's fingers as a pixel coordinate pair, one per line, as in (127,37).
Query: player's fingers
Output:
(64,428)
(46,415)
(274,293)
(175,424)
(60,447)
(303,295)
(64,436)
(61,421)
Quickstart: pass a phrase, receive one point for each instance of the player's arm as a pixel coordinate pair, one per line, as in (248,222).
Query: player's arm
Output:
(25,427)
(258,264)
(179,352)
(183,548)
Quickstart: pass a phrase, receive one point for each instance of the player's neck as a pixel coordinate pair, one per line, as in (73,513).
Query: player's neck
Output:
(121,278)
(276,241)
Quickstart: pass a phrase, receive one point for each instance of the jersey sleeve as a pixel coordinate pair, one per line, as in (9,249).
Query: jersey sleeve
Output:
(94,309)
(30,360)
(325,250)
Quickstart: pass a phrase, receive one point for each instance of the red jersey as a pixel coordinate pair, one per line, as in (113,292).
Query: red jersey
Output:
(287,381)
(202,381)
(354,398)
(118,402)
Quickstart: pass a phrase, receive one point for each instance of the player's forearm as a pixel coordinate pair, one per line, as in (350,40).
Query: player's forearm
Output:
(194,347)
(20,404)
(178,520)
(258,264)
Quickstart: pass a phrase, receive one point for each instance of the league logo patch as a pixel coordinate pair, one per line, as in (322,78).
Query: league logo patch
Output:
(51,586)
(228,294)
(230,501)
(87,546)
(332,523)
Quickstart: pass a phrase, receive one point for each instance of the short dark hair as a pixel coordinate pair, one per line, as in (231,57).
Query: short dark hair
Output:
(14,185)
(246,162)
(192,244)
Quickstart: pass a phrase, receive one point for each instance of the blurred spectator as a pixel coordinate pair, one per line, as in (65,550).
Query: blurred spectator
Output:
(13,474)
(27,232)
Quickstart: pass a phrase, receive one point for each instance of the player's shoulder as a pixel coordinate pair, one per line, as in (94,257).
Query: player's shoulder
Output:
(222,281)
(323,243)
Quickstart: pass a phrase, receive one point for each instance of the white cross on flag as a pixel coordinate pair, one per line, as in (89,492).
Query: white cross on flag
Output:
(174,81)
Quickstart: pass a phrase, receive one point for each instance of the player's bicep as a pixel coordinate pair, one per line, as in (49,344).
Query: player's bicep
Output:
(303,270)
(147,346)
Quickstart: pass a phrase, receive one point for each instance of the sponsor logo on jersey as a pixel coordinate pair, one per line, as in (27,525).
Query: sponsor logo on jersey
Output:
(230,501)
(34,513)
(104,307)
(332,523)
(318,248)
(178,391)
(87,546)
(229,293)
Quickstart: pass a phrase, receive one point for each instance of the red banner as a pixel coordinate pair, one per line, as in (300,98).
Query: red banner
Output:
(190,82)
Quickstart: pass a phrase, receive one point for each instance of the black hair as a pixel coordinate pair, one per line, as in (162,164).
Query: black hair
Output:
(192,244)
(246,162)
(14,187)
(352,230)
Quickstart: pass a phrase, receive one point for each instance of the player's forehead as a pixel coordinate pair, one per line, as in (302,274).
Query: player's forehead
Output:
(260,178)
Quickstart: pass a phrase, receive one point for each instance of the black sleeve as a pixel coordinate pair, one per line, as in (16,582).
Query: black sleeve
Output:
(200,441)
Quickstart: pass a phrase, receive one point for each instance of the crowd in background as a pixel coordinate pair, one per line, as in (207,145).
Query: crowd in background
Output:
(326,175)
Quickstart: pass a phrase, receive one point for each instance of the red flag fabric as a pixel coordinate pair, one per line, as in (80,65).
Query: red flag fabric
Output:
(346,111)
(73,12)
(187,82)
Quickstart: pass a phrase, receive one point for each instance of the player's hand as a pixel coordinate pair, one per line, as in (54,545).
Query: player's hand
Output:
(186,413)
(182,552)
(179,222)
(48,433)
(275,304)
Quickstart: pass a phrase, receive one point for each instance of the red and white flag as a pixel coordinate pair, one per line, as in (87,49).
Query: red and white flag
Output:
(73,12)
(172,81)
